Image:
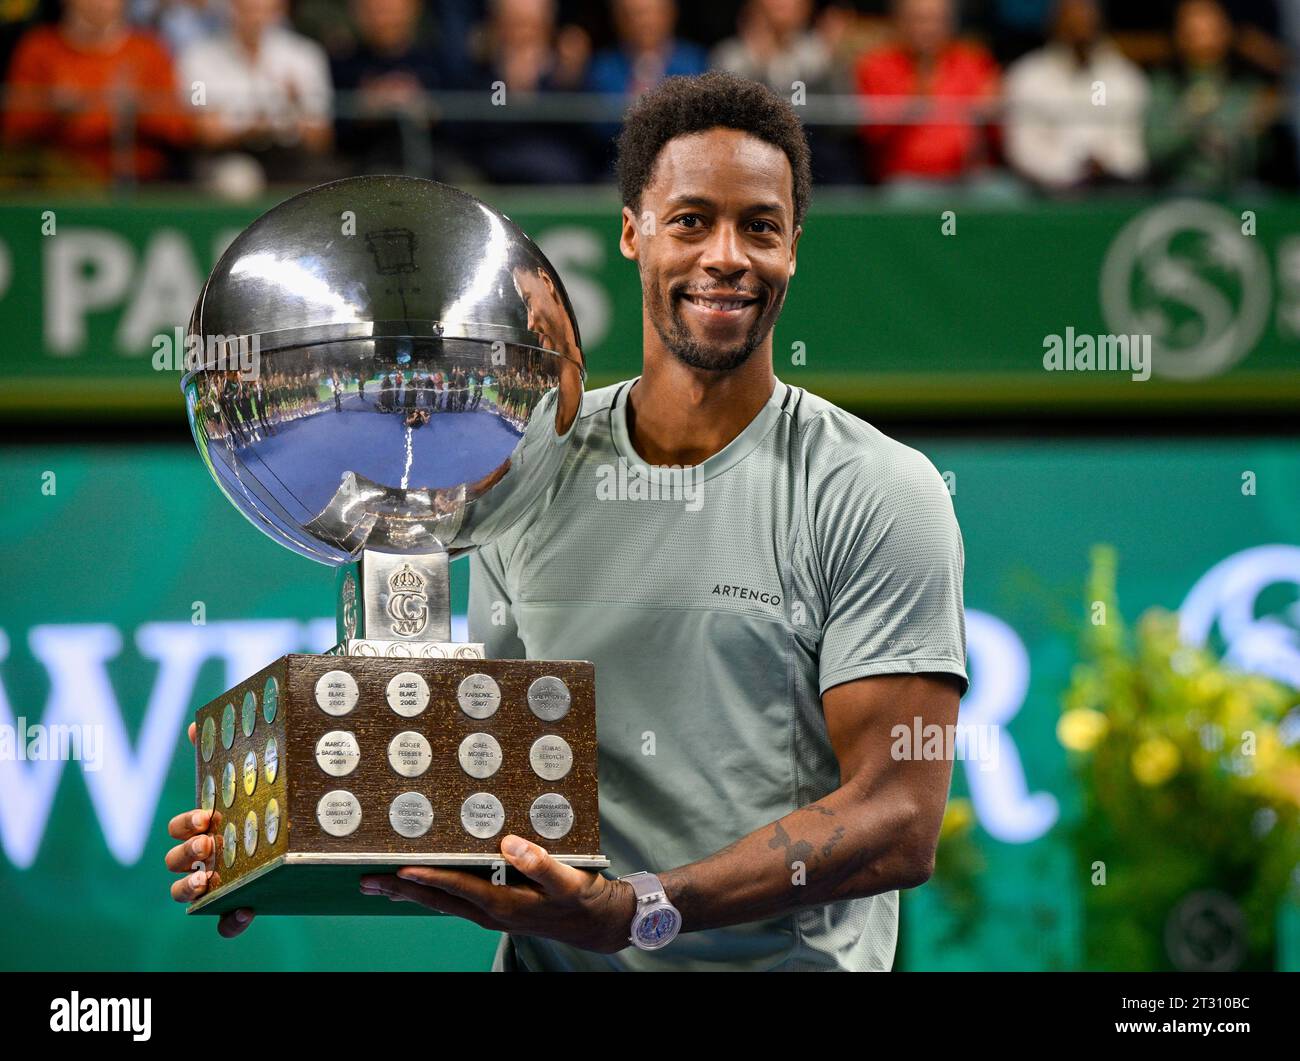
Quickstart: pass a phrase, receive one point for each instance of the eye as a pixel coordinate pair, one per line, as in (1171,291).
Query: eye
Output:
(682,219)
(770,226)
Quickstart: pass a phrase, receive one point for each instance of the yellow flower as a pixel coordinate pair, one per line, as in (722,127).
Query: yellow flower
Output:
(1082,729)
(1210,685)
(957,818)
(1155,761)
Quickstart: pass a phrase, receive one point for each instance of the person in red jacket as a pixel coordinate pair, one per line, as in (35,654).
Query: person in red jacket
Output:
(70,84)
(937,133)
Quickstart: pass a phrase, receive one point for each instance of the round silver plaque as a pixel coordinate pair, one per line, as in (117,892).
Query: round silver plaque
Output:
(479,696)
(408,694)
(228,726)
(410,815)
(209,792)
(250,773)
(339,812)
(336,692)
(228,784)
(248,714)
(271,760)
(409,754)
(337,753)
(480,755)
(482,815)
(272,821)
(208,741)
(229,844)
(551,757)
(551,815)
(270,700)
(548,698)
(250,833)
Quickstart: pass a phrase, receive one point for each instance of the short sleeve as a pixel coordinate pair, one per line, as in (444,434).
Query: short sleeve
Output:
(892,562)
(491,615)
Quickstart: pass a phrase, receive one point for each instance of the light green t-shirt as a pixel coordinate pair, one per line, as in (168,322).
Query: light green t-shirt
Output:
(717,605)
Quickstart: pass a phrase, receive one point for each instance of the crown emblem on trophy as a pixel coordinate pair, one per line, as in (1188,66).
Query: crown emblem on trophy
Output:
(406,580)
(407,605)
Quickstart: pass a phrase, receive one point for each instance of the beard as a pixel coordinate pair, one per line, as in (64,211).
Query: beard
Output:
(711,357)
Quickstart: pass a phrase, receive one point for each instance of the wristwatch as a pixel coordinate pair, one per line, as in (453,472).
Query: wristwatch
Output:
(656,921)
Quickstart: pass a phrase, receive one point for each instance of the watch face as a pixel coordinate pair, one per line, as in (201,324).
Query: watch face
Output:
(657,928)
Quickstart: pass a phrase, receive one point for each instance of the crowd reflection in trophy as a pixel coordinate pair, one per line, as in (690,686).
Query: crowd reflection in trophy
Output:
(247,411)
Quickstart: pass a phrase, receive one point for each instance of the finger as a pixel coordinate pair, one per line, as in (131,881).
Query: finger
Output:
(191,823)
(193,730)
(234,922)
(536,863)
(401,890)
(181,858)
(190,887)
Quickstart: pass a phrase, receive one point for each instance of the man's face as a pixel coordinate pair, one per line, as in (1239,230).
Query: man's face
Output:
(254,16)
(925,25)
(100,15)
(715,243)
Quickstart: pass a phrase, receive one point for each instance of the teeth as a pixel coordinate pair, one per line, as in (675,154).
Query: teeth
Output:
(715,303)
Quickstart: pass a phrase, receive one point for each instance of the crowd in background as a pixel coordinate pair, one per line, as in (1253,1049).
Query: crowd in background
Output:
(1059,96)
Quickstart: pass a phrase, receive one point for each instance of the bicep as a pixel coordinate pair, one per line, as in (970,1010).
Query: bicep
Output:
(893,736)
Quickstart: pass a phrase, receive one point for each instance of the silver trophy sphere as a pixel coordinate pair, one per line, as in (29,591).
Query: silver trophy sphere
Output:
(384,367)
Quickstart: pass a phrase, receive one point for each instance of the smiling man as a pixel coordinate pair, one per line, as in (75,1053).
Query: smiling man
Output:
(757,637)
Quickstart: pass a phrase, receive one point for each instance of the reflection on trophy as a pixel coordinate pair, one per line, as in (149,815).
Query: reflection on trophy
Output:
(418,372)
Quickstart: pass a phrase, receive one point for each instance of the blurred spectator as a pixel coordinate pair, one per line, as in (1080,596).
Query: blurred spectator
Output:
(647,50)
(260,89)
(180,22)
(775,45)
(385,78)
(521,49)
(1206,116)
(1059,133)
(99,96)
(942,137)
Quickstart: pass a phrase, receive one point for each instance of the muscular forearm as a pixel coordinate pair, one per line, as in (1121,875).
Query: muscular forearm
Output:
(844,846)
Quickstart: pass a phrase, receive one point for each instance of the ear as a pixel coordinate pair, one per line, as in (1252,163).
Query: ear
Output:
(794,247)
(629,239)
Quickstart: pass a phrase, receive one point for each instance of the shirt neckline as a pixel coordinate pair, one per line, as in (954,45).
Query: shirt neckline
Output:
(731,454)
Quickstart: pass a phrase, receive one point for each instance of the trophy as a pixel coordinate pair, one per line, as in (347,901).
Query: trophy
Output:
(383,374)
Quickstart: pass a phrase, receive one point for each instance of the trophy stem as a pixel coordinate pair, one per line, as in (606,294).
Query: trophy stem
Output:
(401,597)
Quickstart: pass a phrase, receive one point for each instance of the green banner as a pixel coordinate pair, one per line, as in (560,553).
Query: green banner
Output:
(133,591)
(1132,305)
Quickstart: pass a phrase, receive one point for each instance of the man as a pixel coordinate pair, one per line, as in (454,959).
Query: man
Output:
(944,140)
(261,89)
(71,86)
(753,651)
(1206,119)
(1060,133)
(385,76)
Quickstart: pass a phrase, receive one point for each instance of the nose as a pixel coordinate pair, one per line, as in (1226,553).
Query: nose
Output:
(724,254)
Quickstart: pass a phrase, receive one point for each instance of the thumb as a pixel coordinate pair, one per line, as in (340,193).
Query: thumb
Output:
(536,864)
